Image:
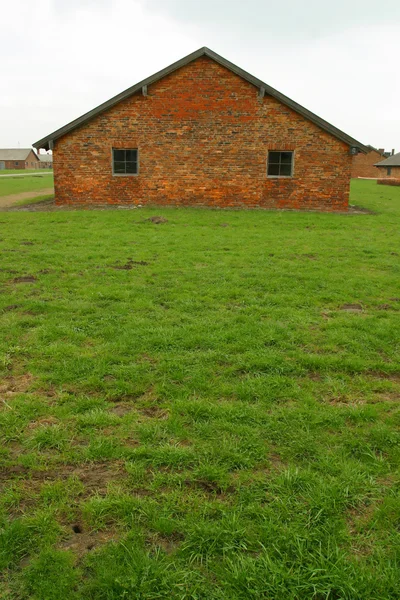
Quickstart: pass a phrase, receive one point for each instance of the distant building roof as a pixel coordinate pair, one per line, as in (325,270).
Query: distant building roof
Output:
(379,150)
(46,157)
(15,153)
(392,161)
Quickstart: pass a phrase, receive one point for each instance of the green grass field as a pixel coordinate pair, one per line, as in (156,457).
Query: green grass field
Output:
(30,183)
(23,171)
(204,408)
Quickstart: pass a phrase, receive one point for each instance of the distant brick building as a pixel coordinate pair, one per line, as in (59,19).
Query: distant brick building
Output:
(45,161)
(202,132)
(18,158)
(363,165)
(389,169)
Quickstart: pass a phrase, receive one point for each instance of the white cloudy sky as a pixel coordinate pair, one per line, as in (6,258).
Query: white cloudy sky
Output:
(61,58)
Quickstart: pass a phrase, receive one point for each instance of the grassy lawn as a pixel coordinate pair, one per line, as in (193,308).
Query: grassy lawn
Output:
(30,183)
(23,171)
(204,408)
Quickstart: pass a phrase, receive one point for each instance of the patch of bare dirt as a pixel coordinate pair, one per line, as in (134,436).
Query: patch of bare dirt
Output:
(94,476)
(167,543)
(355,308)
(343,400)
(382,375)
(80,542)
(130,442)
(326,314)
(276,461)
(10,307)
(25,279)
(310,256)
(9,200)
(358,517)
(210,487)
(385,307)
(108,377)
(154,412)
(130,265)
(41,206)
(360,210)
(27,243)
(315,376)
(122,398)
(157,220)
(42,423)
(121,409)
(147,358)
(16,384)
(392,397)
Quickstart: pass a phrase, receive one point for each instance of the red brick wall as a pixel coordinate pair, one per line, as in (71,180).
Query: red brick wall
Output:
(10,164)
(394,174)
(32,161)
(363,165)
(203,136)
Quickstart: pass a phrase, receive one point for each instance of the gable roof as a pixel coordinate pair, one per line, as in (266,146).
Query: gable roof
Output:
(15,153)
(264,88)
(392,161)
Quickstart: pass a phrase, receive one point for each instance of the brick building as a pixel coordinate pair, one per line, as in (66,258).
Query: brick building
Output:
(18,158)
(363,165)
(202,132)
(390,168)
(45,161)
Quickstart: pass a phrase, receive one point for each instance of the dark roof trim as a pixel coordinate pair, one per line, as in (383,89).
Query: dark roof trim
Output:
(46,141)
(392,161)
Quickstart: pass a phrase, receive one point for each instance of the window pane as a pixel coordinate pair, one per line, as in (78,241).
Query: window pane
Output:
(119,155)
(286,170)
(131,167)
(273,157)
(131,155)
(273,169)
(119,167)
(286,158)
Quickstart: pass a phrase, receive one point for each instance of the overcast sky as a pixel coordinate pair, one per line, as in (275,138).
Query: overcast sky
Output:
(338,58)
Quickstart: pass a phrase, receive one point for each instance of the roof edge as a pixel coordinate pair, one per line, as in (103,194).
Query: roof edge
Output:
(47,141)
(373,149)
(27,150)
(391,161)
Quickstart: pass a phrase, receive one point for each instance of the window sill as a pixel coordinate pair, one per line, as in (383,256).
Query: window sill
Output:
(279,176)
(125,174)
